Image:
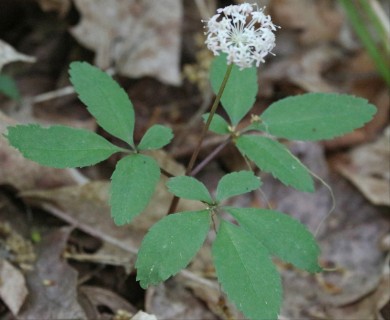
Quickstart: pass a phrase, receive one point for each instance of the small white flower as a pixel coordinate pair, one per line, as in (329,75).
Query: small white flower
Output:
(243,32)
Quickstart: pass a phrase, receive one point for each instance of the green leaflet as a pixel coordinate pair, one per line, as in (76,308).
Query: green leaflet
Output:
(246,273)
(273,157)
(105,100)
(240,91)
(189,188)
(132,185)
(236,183)
(316,116)
(60,146)
(282,235)
(218,124)
(170,245)
(155,137)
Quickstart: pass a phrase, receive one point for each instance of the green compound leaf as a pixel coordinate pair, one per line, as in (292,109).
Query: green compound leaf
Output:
(246,273)
(189,188)
(236,183)
(156,137)
(132,185)
(218,124)
(282,235)
(105,100)
(273,157)
(170,245)
(60,146)
(8,87)
(240,91)
(316,116)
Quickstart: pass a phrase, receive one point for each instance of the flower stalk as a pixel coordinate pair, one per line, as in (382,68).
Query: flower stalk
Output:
(206,127)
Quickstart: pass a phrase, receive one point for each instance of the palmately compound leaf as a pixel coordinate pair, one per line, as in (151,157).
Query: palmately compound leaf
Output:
(60,146)
(189,188)
(282,235)
(246,273)
(240,91)
(273,157)
(132,185)
(170,245)
(156,137)
(236,183)
(105,100)
(218,124)
(316,116)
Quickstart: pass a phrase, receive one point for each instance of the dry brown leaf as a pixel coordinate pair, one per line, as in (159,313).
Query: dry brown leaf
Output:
(141,38)
(23,174)
(368,307)
(8,54)
(93,297)
(13,290)
(86,207)
(170,300)
(367,167)
(60,6)
(53,282)
(304,70)
(317,21)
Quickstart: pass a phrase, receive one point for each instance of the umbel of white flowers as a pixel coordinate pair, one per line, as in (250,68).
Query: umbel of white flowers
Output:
(243,32)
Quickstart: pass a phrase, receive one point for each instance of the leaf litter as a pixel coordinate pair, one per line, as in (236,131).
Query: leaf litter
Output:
(316,51)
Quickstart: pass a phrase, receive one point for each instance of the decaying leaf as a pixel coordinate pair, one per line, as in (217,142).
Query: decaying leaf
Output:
(317,21)
(53,282)
(170,300)
(367,167)
(60,6)
(8,54)
(94,297)
(86,207)
(142,38)
(13,290)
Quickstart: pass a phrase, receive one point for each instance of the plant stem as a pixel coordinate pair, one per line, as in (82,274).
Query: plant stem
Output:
(195,154)
(209,119)
(211,156)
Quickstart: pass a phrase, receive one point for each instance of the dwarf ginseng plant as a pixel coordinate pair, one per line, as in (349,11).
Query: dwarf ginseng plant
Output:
(240,36)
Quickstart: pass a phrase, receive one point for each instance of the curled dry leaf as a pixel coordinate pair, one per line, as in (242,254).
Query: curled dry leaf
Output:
(53,282)
(304,70)
(171,300)
(142,38)
(86,207)
(8,54)
(367,167)
(91,298)
(13,290)
(317,21)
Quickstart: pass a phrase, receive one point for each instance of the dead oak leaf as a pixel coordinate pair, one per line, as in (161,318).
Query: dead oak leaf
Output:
(53,283)
(13,290)
(142,38)
(8,54)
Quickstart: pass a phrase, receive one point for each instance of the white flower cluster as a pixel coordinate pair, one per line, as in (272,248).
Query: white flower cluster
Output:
(243,32)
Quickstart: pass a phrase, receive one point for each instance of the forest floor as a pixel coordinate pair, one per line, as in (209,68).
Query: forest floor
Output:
(61,256)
